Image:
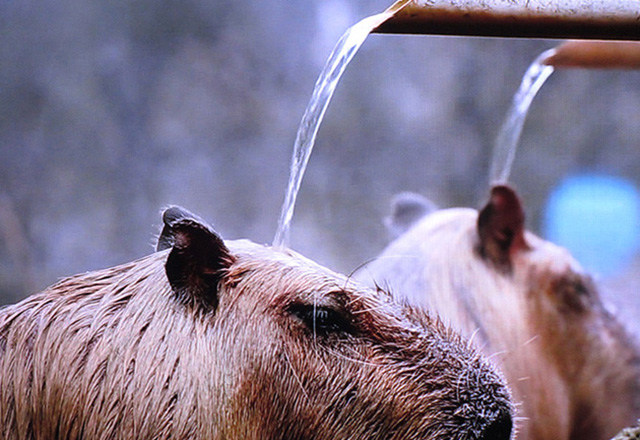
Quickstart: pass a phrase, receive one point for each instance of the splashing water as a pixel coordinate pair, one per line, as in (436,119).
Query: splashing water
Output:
(507,141)
(342,54)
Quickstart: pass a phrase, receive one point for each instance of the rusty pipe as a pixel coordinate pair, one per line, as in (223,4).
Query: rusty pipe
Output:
(595,55)
(561,19)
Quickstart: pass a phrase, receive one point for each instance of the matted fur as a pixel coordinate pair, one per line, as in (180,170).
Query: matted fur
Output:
(117,354)
(573,369)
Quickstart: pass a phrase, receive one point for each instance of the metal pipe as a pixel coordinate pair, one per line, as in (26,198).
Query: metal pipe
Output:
(595,55)
(561,19)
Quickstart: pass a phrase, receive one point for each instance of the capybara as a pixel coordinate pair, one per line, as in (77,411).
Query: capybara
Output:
(526,303)
(207,339)
(629,433)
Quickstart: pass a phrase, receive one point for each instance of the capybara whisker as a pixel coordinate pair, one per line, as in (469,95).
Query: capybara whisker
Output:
(472,337)
(350,359)
(501,353)
(295,376)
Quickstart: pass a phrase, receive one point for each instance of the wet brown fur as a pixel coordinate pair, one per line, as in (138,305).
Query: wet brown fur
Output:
(573,368)
(118,354)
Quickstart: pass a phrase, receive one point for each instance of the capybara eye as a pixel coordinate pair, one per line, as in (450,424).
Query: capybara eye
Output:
(576,296)
(573,295)
(321,319)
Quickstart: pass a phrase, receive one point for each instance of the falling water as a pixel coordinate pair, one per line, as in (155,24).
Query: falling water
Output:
(340,57)
(509,135)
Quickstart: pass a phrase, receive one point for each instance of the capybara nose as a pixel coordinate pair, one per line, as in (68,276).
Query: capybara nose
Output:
(499,429)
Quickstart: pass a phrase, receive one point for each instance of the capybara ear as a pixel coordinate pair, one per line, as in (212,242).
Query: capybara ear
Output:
(406,209)
(198,256)
(501,226)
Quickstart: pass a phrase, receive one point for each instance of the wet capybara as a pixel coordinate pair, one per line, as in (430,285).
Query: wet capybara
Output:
(632,433)
(527,304)
(207,339)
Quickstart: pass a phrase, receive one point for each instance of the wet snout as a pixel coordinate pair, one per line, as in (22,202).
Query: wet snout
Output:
(499,429)
(482,400)
(474,402)
(486,422)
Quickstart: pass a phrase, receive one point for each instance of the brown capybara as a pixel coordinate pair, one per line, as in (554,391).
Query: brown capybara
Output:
(208,339)
(526,303)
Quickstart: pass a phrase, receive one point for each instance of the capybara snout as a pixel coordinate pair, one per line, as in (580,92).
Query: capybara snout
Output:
(213,339)
(500,428)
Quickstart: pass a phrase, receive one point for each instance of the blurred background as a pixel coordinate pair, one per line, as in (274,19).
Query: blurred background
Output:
(110,111)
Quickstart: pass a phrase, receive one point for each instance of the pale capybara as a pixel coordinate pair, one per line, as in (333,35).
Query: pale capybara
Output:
(526,303)
(207,339)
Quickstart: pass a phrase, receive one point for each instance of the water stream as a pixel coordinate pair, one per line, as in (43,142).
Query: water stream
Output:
(342,54)
(507,141)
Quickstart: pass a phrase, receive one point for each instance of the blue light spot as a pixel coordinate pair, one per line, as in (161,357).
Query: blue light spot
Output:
(597,218)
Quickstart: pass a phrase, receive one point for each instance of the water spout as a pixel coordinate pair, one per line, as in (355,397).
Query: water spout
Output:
(571,54)
(596,55)
(507,142)
(342,54)
(564,19)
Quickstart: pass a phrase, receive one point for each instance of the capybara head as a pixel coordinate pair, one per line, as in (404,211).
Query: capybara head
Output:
(207,339)
(528,305)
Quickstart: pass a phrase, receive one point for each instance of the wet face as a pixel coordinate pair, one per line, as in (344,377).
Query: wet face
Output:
(331,359)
